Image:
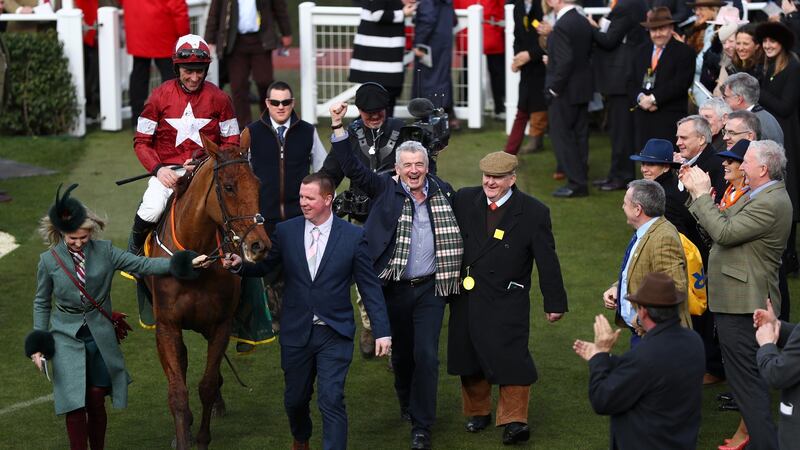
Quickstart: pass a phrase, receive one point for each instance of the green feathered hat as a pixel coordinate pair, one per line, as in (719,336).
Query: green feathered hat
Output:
(67,214)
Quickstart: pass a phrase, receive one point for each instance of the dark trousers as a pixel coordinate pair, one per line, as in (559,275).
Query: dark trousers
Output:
(248,58)
(704,326)
(415,315)
(139,87)
(326,358)
(737,339)
(569,133)
(497,78)
(620,130)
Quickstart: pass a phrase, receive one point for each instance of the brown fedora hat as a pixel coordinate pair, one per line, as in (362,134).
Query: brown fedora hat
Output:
(657,289)
(658,17)
(709,3)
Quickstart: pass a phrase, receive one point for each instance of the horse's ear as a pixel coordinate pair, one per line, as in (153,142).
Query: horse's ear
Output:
(211,148)
(244,139)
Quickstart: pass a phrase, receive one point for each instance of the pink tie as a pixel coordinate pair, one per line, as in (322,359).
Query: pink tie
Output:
(311,254)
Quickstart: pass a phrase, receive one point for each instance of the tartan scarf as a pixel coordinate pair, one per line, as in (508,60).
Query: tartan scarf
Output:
(449,247)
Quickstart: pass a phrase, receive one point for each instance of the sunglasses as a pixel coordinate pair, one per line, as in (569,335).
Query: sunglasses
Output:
(188,52)
(286,102)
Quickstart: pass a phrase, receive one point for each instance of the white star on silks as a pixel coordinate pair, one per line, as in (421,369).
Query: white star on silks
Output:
(188,127)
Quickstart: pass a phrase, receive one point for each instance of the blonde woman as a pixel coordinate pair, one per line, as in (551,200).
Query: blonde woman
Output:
(76,335)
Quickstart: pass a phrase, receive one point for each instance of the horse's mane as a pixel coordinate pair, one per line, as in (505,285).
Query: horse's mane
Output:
(226,153)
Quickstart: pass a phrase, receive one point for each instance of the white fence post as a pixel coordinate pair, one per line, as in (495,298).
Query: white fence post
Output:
(512,78)
(108,49)
(475,46)
(308,67)
(70,33)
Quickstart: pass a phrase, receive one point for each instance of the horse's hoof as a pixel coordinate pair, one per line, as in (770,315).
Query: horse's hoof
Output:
(218,410)
(175,442)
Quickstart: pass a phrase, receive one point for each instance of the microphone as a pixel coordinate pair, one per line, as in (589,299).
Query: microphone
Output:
(420,108)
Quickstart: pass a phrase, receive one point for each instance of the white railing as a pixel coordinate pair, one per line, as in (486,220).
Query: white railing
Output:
(326,40)
(68,25)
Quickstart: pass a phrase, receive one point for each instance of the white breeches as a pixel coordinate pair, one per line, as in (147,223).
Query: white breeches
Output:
(155,199)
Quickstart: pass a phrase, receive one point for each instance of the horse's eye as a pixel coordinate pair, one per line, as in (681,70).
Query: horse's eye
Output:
(228,188)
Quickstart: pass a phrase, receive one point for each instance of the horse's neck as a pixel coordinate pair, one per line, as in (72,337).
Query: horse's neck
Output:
(194,228)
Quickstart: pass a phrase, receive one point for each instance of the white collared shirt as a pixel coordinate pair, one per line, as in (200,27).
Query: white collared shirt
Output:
(322,242)
(248,17)
(502,200)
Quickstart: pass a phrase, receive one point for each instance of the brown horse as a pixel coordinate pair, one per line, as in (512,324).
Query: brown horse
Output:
(217,212)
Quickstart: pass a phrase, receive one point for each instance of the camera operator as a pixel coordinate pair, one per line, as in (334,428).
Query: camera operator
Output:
(373,139)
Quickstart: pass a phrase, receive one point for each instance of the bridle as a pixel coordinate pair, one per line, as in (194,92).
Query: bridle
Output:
(230,239)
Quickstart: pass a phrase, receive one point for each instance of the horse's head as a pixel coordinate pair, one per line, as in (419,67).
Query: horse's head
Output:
(237,206)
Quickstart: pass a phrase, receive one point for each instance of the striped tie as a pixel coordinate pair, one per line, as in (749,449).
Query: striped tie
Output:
(80,266)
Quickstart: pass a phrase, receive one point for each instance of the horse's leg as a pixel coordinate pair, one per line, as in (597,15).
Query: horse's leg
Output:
(172,353)
(219,409)
(210,384)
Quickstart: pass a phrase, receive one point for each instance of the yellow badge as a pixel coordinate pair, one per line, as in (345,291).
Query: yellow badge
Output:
(468,283)
(535,23)
(498,234)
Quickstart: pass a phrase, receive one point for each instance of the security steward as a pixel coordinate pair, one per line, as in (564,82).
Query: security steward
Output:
(504,232)
(373,138)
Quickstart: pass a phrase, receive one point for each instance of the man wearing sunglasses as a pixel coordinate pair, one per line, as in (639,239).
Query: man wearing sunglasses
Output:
(283,150)
(373,138)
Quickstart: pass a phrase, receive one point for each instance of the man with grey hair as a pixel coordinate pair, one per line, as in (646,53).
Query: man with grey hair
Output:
(654,247)
(749,240)
(741,92)
(416,249)
(716,111)
(741,125)
(693,138)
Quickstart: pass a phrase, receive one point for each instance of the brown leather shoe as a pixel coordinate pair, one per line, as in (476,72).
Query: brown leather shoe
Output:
(297,445)
(559,176)
(534,144)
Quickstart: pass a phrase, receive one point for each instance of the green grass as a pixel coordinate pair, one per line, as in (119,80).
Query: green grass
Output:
(591,234)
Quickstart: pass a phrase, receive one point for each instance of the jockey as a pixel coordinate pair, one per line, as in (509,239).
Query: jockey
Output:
(168,131)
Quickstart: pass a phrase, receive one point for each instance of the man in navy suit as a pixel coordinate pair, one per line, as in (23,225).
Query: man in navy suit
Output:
(321,255)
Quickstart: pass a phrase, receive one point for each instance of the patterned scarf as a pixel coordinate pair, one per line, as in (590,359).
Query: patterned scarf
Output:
(447,239)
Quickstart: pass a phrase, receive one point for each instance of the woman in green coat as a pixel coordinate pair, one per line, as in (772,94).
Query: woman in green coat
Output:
(68,329)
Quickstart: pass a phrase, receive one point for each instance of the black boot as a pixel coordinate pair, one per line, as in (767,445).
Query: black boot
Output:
(141,228)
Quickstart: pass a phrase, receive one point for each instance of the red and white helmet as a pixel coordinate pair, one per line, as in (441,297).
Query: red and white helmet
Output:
(191,49)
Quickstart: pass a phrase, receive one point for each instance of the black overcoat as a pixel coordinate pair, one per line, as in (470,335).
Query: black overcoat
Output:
(674,75)
(653,393)
(526,38)
(489,325)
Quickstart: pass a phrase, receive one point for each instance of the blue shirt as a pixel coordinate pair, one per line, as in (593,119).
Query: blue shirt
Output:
(625,307)
(755,192)
(422,254)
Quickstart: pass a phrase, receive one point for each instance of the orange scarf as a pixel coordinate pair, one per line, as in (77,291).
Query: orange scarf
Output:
(732,196)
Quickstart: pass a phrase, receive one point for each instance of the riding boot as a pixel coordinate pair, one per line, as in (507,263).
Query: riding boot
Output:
(96,409)
(76,429)
(141,229)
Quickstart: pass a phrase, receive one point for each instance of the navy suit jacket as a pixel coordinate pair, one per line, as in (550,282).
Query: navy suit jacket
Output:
(388,197)
(328,294)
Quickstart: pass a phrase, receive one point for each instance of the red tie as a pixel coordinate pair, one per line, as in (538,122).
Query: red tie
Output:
(493,206)
(80,265)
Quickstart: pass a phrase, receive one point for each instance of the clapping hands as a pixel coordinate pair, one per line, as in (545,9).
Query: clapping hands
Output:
(768,326)
(604,339)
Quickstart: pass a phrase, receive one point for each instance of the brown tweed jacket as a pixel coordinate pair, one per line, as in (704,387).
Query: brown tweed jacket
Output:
(660,250)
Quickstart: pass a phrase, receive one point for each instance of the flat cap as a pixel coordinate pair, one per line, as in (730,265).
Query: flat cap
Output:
(371,97)
(498,163)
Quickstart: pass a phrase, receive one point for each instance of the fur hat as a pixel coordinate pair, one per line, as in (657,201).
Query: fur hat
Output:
(67,214)
(777,32)
(40,341)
